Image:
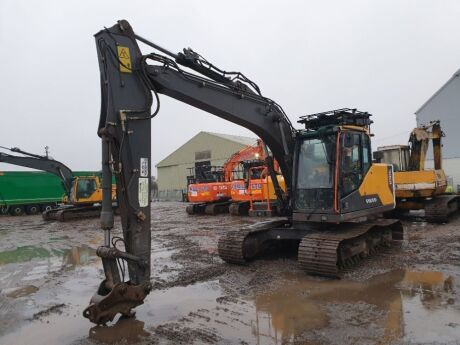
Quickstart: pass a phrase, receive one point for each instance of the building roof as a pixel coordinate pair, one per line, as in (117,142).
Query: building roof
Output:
(235,138)
(456,75)
(174,157)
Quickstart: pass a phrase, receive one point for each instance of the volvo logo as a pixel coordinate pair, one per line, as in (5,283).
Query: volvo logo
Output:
(371,200)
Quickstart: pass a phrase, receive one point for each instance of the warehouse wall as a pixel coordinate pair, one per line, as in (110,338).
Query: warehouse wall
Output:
(173,170)
(451,167)
(445,106)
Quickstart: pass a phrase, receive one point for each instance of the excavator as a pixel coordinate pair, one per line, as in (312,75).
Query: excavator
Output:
(418,188)
(215,197)
(82,192)
(206,191)
(334,193)
(253,194)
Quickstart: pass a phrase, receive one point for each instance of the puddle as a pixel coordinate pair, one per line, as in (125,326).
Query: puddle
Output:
(409,305)
(401,299)
(25,253)
(20,292)
(73,256)
(26,268)
(129,331)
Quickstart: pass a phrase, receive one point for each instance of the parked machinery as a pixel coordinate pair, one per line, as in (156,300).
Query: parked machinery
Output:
(418,188)
(210,193)
(82,192)
(207,192)
(333,191)
(253,193)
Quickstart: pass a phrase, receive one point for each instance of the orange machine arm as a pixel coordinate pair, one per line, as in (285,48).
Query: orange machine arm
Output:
(247,153)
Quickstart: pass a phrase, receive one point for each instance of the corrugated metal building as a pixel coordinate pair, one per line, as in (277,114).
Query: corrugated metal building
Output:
(444,105)
(205,148)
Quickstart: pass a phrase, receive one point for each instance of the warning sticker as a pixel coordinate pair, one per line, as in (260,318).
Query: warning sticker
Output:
(143,191)
(144,167)
(125,59)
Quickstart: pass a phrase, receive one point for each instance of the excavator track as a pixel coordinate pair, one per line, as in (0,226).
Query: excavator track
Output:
(321,252)
(240,246)
(239,208)
(209,209)
(328,252)
(63,214)
(438,209)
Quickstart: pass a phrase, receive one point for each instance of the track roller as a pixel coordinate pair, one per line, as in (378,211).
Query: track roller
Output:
(321,251)
(328,252)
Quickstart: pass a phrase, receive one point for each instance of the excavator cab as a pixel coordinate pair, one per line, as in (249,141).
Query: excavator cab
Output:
(86,187)
(85,190)
(396,155)
(336,180)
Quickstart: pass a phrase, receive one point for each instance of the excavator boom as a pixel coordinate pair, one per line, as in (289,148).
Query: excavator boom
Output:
(124,127)
(40,163)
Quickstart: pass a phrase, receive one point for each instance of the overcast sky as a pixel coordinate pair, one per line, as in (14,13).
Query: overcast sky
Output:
(385,57)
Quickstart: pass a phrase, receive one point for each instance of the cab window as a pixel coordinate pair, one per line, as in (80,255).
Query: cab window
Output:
(355,160)
(85,188)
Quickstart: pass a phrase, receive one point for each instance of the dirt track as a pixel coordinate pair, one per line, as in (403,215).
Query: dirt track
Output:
(48,272)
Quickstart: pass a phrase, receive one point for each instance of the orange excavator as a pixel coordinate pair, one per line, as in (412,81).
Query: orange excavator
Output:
(214,197)
(254,193)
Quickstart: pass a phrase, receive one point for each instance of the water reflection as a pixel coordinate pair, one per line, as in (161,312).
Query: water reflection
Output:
(27,264)
(79,256)
(74,256)
(305,305)
(126,330)
(25,253)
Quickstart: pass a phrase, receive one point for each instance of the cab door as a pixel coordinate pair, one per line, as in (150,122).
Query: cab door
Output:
(355,162)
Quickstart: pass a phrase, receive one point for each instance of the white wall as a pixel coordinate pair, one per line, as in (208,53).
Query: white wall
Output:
(451,167)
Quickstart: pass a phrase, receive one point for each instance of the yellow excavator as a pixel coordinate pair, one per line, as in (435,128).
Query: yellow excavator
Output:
(416,187)
(83,193)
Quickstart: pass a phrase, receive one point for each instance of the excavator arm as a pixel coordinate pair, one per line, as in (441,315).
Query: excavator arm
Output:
(128,79)
(248,153)
(42,163)
(419,141)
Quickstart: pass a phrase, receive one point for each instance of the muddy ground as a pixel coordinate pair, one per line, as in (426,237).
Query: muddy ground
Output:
(404,295)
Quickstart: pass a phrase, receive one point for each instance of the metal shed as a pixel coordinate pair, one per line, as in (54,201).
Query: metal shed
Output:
(444,105)
(204,148)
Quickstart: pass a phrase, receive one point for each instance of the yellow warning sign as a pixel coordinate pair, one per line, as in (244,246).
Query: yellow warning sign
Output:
(125,59)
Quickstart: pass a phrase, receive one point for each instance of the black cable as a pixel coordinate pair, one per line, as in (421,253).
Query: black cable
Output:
(120,262)
(169,63)
(146,81)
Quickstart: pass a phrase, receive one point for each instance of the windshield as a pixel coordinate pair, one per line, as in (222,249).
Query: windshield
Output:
(315,169)
(85,188)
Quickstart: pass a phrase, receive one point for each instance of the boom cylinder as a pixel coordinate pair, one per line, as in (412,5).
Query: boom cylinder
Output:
(107,211)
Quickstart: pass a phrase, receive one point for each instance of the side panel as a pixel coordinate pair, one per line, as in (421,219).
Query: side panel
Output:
(259,189)
(424,183)
(209,192)
(378,182)
(21,188)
